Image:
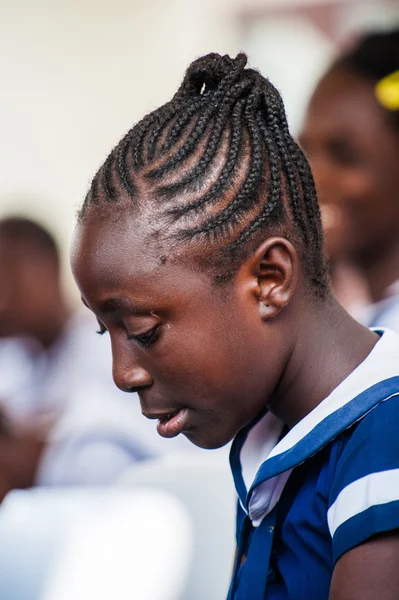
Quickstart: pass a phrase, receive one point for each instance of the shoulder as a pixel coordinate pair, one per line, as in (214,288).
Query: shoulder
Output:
(364,496)
(371,445)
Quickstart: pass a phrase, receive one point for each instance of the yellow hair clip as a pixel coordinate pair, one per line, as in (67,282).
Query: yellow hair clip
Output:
(387,91)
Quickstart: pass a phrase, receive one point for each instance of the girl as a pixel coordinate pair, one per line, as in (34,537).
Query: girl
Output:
(351,135)
(199,248)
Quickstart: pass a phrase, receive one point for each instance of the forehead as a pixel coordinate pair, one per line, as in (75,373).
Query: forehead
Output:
(118,258)
(102,241)
(344,102)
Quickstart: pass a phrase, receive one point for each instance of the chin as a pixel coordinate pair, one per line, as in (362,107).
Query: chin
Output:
(207,443)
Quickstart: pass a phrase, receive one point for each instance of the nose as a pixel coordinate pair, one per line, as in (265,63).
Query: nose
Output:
(128,376)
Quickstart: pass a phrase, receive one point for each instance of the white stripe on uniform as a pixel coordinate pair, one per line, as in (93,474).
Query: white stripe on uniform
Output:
(371,490)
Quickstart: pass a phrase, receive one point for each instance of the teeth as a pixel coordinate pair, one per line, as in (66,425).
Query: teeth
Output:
(169,416)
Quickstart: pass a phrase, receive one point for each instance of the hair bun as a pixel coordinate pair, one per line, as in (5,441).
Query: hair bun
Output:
(206,73)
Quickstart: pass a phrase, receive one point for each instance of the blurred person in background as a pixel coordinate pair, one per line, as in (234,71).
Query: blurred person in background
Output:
(351,135)
(62,421)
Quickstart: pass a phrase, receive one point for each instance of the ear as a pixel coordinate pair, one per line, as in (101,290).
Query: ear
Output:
(273,269)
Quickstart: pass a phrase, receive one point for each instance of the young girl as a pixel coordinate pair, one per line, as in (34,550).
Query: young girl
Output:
(199,248)
(351,135)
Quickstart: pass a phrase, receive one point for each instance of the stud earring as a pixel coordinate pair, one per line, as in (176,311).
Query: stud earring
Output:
(264,310)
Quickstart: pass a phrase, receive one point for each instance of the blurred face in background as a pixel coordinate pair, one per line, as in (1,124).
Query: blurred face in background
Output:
(26,276)
(353,147)
(14,299)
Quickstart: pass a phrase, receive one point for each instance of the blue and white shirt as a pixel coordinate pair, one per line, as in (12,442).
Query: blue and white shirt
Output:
(310,494)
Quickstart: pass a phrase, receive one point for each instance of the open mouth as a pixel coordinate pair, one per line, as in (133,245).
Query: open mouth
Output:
(172,424)
(169,416)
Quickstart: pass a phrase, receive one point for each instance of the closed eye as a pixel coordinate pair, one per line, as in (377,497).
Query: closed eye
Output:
(147,338)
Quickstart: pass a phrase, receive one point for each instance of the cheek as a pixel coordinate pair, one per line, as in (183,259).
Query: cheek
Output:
(200,362)
(372,210)
(351,210)
(211,352)
(215,369)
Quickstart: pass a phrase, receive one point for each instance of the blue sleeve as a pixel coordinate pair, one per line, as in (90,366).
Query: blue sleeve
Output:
(364,498)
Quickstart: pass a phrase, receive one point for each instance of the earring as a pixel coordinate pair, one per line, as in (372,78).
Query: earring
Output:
(264,310)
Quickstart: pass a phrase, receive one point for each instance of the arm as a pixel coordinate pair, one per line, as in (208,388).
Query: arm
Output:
(363,516)
(369,571)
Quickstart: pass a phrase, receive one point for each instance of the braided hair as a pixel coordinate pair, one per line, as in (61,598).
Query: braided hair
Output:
(373,57)
(218,166)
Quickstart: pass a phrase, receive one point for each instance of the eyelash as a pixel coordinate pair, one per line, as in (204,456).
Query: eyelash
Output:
(144,339)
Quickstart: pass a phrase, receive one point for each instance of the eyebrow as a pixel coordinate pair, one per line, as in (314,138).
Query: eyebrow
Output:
(114,304)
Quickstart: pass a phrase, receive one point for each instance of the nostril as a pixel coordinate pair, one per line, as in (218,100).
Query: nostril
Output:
(132,390)
(126,387)
(131,380)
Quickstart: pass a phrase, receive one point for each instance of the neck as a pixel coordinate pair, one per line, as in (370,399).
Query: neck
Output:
(382,271)
(329,346)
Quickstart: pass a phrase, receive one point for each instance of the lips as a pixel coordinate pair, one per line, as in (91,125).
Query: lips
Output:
(170,425)
(161,416)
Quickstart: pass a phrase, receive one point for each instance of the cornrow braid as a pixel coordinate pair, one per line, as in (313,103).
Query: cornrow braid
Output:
(181,124)
(195,79)
(230,166)
(144,127)
(211,149)
(244,196)
(277,120)
(107,177)
(123,173)
(219,163)
(273,208)
(187,149)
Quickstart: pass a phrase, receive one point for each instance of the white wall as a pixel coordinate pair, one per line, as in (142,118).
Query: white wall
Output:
(294,54)
(74,76)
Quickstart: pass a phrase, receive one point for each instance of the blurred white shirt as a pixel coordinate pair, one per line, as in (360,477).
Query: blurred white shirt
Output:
(96,431)
(384,313)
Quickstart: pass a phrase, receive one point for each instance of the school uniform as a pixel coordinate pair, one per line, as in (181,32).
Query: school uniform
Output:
(310,494)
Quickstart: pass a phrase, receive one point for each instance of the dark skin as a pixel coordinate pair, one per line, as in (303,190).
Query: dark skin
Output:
(31,300)
(369,571)
(354,151)
(31,305)
(20,456)
(225,352)
(21,450)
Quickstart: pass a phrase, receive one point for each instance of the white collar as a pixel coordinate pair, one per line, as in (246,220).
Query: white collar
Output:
(261,464)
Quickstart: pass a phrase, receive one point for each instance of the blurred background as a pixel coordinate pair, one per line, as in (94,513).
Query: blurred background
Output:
(74,77)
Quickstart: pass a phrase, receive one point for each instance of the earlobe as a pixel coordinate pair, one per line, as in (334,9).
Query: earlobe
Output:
(267,311)
(275,265)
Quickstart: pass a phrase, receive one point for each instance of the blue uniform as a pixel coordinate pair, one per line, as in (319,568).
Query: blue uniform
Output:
(310,494)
